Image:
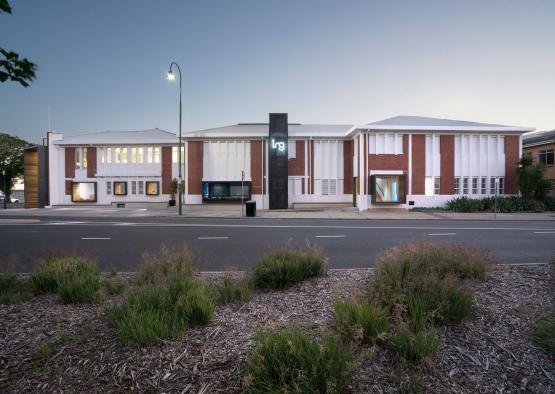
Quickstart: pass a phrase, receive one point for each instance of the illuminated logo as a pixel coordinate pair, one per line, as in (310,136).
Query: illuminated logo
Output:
(279,145)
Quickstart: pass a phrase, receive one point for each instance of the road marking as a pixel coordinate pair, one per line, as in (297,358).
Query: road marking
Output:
(212,237)
(544,232)
(94,238)
(438,234)
(330,236)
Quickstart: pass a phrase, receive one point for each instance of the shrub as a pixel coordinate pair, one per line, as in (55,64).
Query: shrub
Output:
(422,282)
(161,311)
(13,290)
(73,278)
(229,291)
(549,203)
(505,204)
(288,360)
(360,321)
(167,264)
(113,287)
(286,267)
(543,333)
(414,346)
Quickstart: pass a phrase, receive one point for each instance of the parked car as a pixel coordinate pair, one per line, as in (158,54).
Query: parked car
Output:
(3,196)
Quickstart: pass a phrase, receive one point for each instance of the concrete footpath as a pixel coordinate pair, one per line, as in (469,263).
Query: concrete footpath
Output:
(234,211)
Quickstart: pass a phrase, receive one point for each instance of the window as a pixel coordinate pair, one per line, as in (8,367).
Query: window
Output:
(108,187)
(134,187)
(388,189)
(108,155)
(120,188)
(103,155)
(291,149)
(157,154)
(385,143)
(84,155)
(83,192)
(77,158)
(458,185)
(133,155)
(484,187)
(118,155)
(149,152)
(546,158)
(501,185)
(124,155)
(465,185)
(329,187)
(140,155)
(475,185)
(174,154)
(437,185)
(152,188)
(141,187)
(492,185)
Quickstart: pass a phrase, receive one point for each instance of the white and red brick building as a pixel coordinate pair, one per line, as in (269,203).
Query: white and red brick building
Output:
(404,161)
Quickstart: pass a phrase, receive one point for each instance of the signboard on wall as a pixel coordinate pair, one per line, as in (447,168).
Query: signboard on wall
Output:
(277,161)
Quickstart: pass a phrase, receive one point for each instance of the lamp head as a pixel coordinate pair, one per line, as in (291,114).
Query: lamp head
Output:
(170,76)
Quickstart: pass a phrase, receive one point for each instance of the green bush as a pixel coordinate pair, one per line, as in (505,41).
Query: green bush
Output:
(505,204)
(543,333)
(286,267)
(167,264)
(414,346)
(113,287)
(549,203)
(422,282)
(75,279)
(160,311)
(360,321)
(230,291)
(289,361)
(14,290)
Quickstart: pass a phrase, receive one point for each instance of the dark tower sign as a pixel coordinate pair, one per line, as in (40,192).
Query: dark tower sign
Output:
(277,161)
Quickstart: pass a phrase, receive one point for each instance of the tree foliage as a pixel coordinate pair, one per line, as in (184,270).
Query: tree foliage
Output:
(532,182)
(11,157)
(12,67)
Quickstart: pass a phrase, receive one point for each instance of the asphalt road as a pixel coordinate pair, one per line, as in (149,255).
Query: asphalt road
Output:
(237,243)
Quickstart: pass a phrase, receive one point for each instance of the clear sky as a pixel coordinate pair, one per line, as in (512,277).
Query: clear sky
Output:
(102,63)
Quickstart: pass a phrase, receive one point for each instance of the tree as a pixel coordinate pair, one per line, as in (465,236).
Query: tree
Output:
(12,67)
(532,182)
(11,158)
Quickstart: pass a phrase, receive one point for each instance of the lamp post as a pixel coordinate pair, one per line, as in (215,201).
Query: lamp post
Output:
(170,77)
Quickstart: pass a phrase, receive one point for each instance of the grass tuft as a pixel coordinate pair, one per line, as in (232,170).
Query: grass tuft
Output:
(543,333)
(414,346)
(360,321)
(286,266)
(289,361)
(167,264)
(229,291)
(14,290)
(75,279)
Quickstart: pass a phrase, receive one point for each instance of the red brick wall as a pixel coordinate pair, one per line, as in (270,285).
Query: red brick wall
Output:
(167,170)
(511,163)
(70,162)
(418,163)
(68,187)
(195,167)
(390,162)
(348,167)
(447,175)
(295,167)
(91,162)
(257,165)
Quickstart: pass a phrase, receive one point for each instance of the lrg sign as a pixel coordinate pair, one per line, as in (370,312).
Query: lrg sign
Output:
(279,145)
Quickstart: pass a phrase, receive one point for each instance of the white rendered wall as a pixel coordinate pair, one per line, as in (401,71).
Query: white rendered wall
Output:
(479,155)
(224,160)
(56,169)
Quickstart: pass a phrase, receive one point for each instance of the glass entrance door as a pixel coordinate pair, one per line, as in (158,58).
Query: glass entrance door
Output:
(388,189)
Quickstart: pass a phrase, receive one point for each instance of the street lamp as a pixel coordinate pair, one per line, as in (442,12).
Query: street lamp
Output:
(170,76)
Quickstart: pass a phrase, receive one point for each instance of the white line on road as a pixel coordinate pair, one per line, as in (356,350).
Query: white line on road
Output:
(92,238)
(442,234)
(213,238)
(330,236)
(544,232)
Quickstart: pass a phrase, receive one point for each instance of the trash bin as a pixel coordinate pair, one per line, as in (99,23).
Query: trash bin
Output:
(250,208)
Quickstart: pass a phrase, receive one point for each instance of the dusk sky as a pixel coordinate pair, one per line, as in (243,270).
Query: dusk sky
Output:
(101,64)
